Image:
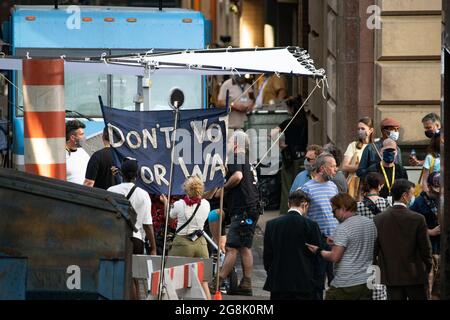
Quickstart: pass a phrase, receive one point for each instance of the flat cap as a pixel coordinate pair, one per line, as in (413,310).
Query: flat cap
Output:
(389,122)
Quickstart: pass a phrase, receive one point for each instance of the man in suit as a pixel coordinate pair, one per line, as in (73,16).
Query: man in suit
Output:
(403,249)
(287,260)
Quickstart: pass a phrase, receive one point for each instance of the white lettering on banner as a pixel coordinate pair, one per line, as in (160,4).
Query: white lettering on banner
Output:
(217,165)
(151,137)
(138,143)
(196,171)
(199,134)
(166,131)
(113,143)
(134,139)
(214,133)
(213,165)
(160,172)
(146,175)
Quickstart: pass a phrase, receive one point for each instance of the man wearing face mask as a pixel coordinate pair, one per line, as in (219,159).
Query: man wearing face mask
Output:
(312,152)
(387,167)
(432,125)
(427,204)
(372,153)
(403,249)
(76,157)
(321,189)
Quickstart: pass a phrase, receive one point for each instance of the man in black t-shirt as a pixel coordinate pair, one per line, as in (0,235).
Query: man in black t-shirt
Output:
(100,169)
(388,169)
(242,199)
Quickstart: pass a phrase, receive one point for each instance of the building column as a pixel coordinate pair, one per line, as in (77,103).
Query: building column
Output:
(445,157)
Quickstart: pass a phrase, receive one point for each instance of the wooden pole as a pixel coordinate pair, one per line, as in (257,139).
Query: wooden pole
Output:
(218,239)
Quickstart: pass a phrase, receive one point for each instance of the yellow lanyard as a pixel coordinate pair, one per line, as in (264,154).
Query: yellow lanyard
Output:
(388,184)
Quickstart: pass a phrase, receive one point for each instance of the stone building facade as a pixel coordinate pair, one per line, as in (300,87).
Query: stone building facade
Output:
(383,60)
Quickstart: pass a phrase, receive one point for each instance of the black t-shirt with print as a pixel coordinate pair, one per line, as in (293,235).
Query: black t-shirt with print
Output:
(245,194)
(99,169)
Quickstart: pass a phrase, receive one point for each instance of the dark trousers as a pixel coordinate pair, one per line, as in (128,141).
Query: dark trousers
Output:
(291,296)
(322,269)
(138,245)
(415,292)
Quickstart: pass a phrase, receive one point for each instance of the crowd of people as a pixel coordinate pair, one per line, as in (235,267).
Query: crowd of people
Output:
(341,214)
(351,223)
(196,212)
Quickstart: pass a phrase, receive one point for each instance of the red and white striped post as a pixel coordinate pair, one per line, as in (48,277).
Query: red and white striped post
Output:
(44,117)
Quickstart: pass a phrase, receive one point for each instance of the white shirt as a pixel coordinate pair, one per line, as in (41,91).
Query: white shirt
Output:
(141,203)
(259,98)
(183,212)
(396,203)
(76,164)
(298,211)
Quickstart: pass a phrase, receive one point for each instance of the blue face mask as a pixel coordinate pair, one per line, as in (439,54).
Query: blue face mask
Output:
(388,156)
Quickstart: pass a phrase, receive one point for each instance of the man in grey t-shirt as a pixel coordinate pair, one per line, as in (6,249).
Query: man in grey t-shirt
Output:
(352,251)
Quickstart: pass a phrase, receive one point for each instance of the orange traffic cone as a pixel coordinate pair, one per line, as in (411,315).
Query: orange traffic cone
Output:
(218,295)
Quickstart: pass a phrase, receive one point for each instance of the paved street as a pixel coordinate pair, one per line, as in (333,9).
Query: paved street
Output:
(259,274)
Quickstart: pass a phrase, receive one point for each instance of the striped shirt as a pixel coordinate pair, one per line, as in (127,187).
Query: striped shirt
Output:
(320,208)
(358,235)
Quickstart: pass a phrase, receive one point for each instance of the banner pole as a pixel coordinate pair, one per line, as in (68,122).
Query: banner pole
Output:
(218,240)
(166,209)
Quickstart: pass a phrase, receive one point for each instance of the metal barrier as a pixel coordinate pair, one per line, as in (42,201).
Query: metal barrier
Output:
(183,276)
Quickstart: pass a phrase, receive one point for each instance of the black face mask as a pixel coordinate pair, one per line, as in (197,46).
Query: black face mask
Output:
(429,134)
(388,156)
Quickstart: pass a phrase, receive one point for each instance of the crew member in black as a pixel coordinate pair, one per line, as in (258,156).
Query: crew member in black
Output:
(100,172)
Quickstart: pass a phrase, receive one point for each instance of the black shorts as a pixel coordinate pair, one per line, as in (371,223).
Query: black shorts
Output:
(240,234)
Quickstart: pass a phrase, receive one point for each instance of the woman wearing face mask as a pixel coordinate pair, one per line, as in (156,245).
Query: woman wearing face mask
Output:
(432,161)
(387,167)
(354,152)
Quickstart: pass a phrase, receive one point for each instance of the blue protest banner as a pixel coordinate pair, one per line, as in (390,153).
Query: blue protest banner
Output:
(148,137)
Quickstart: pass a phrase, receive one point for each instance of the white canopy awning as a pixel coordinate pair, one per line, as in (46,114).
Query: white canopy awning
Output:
(290,60)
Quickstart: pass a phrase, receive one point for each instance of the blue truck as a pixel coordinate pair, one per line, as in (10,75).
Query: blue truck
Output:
(89,31)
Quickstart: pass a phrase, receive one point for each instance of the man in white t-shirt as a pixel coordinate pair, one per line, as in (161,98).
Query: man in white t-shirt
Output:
(241,100)
(142,205)
(76,157)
